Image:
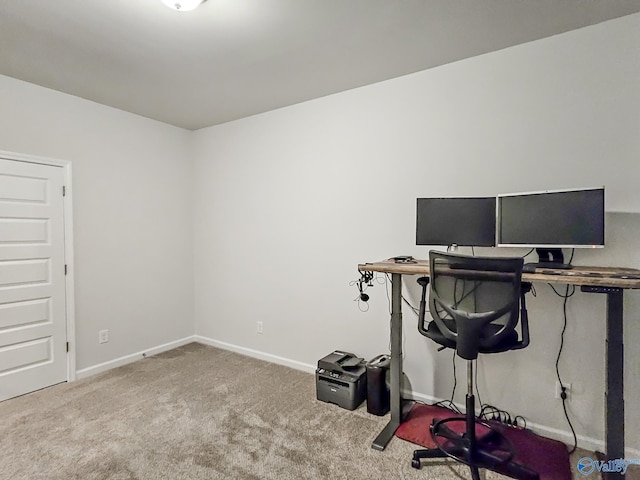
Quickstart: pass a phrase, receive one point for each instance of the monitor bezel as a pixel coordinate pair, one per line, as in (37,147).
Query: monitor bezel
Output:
(493,244)
(541,245)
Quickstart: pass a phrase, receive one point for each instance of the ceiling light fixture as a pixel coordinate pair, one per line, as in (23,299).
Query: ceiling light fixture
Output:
(183,5)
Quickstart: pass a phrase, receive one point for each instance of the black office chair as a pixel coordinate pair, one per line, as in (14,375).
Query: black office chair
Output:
(475,303)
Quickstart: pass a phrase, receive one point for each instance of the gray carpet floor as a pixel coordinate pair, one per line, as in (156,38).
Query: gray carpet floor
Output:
(198,412)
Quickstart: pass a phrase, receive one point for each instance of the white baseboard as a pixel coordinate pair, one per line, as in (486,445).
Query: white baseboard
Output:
(587,443)
(305,367)
(118,362)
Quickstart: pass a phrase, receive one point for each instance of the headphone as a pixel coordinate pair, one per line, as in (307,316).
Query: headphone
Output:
(365,278)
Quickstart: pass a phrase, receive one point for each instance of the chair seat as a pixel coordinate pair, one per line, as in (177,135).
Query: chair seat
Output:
(507,343)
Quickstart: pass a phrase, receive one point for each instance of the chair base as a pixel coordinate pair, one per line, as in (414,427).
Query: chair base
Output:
(511,469)
(491,451)
(418,455)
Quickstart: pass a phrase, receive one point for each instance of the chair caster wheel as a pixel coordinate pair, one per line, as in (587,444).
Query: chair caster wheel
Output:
(416,463)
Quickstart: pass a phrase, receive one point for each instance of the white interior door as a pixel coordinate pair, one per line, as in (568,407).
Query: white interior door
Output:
(33,335)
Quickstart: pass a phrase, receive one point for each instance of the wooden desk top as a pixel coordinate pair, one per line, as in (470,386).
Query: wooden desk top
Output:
(578,275)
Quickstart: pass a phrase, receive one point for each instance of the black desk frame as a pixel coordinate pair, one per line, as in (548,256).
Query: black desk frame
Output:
(396,365)
(614,349)
(614,374)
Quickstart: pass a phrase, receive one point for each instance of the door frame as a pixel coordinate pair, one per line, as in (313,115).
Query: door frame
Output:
(67,202)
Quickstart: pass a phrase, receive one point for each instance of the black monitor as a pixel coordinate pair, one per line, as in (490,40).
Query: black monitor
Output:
(469,222)
(549,221)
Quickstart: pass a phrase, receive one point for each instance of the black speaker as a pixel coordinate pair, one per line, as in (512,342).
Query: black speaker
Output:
(378,396)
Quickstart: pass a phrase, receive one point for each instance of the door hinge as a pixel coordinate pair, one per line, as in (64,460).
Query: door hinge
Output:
(64,191)
(65,268)
(67,347)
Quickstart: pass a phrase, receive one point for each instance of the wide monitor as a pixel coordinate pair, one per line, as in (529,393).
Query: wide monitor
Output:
(456,221)
(552,220)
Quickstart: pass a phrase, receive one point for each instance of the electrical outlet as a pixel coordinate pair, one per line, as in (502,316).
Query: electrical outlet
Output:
(103,336)
(259,327)
(567,390)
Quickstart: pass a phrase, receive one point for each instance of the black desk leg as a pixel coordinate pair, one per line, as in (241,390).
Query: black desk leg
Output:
(614,395)
(386,435)
(614,387)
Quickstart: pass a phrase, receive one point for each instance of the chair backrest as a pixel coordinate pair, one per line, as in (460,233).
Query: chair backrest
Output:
(475,301)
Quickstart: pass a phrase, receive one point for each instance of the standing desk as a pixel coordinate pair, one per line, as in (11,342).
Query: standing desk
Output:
(609,281)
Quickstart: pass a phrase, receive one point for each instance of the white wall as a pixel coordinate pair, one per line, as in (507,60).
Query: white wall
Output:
(287,203)
(132,215)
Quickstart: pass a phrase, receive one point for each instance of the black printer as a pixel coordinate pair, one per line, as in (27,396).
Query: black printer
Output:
(341,379)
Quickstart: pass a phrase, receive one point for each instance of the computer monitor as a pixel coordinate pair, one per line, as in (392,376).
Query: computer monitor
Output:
(460,221)
(551,220)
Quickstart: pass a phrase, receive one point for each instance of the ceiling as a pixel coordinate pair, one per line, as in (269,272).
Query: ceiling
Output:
(234,58)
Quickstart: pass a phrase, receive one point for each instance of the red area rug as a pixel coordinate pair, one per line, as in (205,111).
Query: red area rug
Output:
(549,458)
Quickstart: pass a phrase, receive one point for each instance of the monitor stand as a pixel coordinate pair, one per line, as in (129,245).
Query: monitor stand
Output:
(548,258)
